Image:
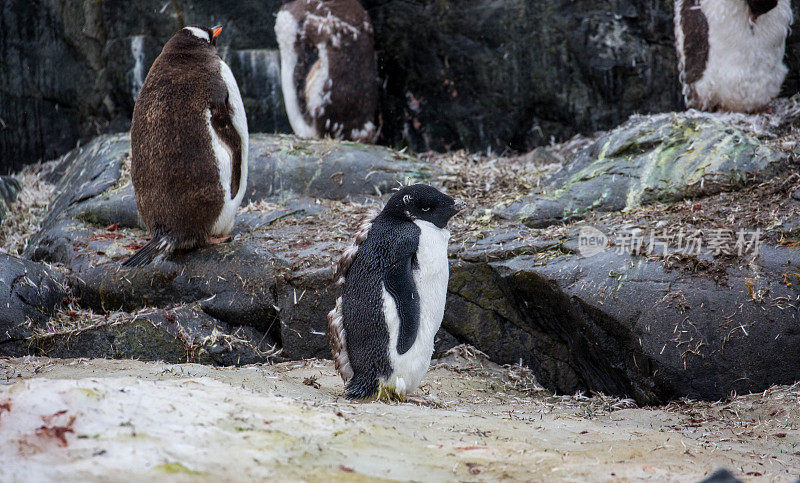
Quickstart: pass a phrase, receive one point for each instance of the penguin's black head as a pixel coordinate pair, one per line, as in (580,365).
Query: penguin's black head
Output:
(195,35)
(423,202)
(760,7)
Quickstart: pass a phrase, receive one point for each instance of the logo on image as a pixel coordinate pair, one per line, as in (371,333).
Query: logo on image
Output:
(591,241)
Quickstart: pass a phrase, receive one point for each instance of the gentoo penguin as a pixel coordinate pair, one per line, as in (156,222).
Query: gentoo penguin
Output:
(329,74)
(394,285)
(189,146)
(730,52)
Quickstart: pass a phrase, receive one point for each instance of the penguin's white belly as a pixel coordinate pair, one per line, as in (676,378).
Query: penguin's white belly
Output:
(745,68)
(224,155)
(431,279)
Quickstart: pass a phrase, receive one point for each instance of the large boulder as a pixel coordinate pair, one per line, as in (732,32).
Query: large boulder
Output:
(29,294)
(651,159)
(282,247)
(621,324)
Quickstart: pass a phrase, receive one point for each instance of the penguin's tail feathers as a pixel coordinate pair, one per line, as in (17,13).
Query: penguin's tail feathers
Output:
(362,386)
(157,246)
(338,341)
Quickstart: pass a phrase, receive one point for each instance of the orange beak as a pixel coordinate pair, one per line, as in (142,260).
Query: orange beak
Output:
(216,30)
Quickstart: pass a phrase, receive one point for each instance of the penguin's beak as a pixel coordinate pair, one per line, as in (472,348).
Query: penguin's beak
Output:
(216,31)
(459,205)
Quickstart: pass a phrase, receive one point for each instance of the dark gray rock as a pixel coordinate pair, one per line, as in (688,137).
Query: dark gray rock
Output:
(621,324)
(29,293)
(471,74)
(516,73)
(615,323)
(179,334)
(45,83)
(274,277)
(652,159)
(485,311)
(285,166)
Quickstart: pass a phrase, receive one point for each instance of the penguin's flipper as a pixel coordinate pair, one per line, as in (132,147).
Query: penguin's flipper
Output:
(158,245)
(399,282)
(222,121)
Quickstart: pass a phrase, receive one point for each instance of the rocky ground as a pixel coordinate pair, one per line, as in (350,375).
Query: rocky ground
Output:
(648,322)
(546,274)
(90,419)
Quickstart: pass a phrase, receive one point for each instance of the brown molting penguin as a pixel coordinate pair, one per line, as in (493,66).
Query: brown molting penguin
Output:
(189,146)
(730,52)
(329,74)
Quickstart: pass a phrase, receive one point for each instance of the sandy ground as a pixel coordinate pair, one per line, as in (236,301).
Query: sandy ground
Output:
(105,420)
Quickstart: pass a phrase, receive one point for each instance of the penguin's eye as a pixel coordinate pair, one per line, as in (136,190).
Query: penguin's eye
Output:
(426,208)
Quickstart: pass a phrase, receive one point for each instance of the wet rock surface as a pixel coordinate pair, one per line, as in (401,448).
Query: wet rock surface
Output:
(29,294)
(471,74)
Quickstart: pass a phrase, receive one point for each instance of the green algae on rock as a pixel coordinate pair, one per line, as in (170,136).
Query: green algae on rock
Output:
(651,159)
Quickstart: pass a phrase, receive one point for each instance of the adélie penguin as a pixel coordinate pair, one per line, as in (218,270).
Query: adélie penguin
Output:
(189,146)
(394,286)
(730,52)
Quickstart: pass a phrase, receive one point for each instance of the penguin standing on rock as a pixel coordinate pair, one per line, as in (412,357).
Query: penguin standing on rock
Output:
(730,52)
(329,74)
(394,281)
(189,145)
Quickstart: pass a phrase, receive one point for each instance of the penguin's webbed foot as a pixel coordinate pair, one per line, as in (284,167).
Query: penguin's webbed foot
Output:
(387,395)
(217,240)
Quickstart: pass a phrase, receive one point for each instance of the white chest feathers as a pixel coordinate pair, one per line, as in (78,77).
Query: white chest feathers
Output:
(430,277)
(224,154)
(745,70)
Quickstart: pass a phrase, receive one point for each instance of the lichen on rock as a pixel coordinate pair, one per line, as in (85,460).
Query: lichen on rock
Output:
(660,158)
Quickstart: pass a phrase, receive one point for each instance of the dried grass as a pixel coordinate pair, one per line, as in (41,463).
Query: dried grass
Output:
(72,320)
(230,341)
(775,409)
(26,214)
(516,383)
(261,206)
